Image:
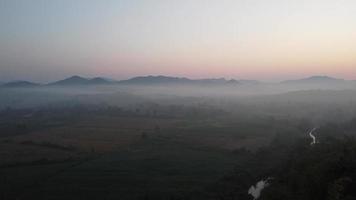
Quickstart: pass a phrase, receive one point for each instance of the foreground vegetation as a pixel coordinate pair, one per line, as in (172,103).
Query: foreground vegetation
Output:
(178,148)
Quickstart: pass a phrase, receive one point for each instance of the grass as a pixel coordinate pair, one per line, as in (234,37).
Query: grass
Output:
(181,158)
(155,167)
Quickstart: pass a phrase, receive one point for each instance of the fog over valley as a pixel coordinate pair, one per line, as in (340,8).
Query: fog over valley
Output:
(227,136)
(177,100)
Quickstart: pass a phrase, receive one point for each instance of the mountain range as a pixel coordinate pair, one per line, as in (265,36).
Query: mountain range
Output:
(77,80)
(152,80)
(22,84)
(168,80)
(315,80)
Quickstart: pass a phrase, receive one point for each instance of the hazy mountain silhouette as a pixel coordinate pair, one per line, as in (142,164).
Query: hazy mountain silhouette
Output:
(77,80)
(153,80)
(316,80)
(319,82)
(18,84)
(99,81)
(218,81)
(73,80)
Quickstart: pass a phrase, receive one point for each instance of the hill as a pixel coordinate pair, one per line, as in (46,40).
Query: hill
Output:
(314,80)
(154,80)
(18,84)
(77,80)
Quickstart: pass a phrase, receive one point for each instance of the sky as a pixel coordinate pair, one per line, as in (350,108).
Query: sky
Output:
(43,40)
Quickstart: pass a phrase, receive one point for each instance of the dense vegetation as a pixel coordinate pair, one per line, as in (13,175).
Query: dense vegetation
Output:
(136,146)
(299,170)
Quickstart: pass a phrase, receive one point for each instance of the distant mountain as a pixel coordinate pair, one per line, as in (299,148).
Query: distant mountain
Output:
(153,80)
(318,82)
(100,81)
(315,80)
(18,84)
(73,80)
(216,81)
(80,81)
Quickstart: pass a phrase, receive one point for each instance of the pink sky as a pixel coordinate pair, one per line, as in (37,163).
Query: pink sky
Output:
(248,39)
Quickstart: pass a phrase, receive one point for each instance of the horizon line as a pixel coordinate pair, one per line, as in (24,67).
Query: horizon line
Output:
(186,77)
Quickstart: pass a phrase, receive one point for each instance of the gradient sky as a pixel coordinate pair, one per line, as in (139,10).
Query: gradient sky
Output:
(44,40)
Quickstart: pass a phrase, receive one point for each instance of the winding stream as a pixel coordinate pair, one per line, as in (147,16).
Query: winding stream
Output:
(312,136)
(255,191)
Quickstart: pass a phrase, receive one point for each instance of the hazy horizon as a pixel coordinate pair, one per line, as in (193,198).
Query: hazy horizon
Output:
(270,41)
(201,99)
(157,75)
